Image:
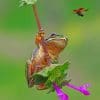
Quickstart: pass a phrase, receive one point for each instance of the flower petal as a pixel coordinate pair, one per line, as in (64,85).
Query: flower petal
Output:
(82,89)
(60,93)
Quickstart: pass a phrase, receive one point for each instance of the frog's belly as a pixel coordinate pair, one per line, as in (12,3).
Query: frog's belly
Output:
(41,58)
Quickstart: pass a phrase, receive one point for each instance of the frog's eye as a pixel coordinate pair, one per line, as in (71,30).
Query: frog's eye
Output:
(53,34)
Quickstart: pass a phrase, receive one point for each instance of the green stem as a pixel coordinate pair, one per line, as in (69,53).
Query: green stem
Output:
(37,18)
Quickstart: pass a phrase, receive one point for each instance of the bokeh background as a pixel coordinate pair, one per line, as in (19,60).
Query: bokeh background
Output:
(17,32)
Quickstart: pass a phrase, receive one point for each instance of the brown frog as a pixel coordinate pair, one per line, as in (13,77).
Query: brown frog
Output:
(46,53)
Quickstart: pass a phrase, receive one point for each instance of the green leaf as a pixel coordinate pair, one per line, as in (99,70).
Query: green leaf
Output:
(56,73)
(38,79)
(27,2)
(45,71)
(59,71)
(42,76)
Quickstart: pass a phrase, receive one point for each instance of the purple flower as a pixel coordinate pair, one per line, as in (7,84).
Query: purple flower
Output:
(60,93)
(82,89)
(63,96)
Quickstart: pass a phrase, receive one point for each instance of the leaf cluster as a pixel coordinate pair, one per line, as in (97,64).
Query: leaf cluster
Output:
(27,2)
(56,73)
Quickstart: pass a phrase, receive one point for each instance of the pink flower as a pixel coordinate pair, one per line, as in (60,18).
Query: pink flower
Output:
(82,89)
(63,96)
(60,93)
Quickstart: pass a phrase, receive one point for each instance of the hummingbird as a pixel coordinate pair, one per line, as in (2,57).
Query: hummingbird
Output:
(80,11)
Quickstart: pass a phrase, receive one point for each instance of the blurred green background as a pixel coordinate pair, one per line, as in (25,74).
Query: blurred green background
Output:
(17,32)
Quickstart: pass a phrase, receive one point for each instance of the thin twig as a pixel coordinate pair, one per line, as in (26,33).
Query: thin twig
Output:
(37,17)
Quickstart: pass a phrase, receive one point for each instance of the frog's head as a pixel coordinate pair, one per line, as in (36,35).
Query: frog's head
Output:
(55,44)
(58,38)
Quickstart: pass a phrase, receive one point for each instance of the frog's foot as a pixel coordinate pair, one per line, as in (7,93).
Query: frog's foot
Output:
(41,86)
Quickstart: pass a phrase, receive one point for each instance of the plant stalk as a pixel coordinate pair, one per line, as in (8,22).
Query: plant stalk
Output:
(37,17)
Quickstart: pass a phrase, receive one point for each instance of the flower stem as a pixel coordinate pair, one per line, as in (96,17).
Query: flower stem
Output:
(37,17)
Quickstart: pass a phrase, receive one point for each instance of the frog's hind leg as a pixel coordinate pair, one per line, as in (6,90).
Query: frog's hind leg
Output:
(29,72)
